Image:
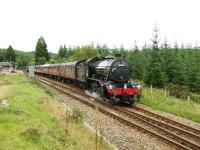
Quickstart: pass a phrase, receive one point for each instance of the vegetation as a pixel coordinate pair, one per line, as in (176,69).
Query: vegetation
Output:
(162,65)
(22,59)
(157,64)
(41,52)
(10,54)
(2,55)
(154,74)
(35,120)
(160,100)
(77,115)
(84,52)
(63,52)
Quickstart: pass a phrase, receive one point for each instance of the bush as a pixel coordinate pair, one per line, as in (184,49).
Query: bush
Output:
(178,91)
(32,134)
(77,115)
(195,98)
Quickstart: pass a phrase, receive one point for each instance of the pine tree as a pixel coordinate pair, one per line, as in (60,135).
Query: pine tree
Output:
(65,51)
(41,52)
(154,72)
(179,69)
(175,45)
(193,74)
(60,52)
(10,54)
(136,60)
(166,46)
(169,58)
(182,46)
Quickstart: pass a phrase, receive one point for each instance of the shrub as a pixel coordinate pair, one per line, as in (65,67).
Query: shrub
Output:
(32,134)
(178,91)
(77,115)
(195,98)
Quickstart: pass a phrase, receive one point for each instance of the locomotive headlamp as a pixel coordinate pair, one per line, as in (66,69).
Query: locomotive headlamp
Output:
(125,86)
(110,86)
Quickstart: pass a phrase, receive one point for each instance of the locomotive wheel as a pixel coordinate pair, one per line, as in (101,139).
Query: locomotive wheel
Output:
(132,102)
(112,102)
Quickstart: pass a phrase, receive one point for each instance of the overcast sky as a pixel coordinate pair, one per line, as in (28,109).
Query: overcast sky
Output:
(79,22)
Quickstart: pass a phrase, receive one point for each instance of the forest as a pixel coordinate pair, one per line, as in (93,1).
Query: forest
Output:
(155,66)
(158,64)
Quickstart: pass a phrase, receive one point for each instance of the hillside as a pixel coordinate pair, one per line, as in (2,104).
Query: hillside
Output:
(22,58)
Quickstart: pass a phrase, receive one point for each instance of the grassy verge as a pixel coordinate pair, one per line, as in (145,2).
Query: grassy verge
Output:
(158,99)
(35,120)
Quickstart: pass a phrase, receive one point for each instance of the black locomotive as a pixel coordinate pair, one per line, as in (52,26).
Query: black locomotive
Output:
(106,76)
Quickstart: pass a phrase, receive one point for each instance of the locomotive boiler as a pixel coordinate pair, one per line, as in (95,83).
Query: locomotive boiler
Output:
(117,70)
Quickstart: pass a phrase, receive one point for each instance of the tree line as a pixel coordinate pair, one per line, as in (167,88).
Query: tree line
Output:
(157,64)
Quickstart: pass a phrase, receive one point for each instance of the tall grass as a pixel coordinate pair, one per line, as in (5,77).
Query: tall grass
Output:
(47,90)
(159,99)
(35,120)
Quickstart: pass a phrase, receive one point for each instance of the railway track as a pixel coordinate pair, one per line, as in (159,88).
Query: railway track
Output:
(177,134)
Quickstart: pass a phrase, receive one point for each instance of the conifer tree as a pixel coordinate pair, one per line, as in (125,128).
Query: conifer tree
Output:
(169,61)
(10,54)
(193,72)
(62,52)
(154,72)
(175,45)
(136,62)
(179,66)
(41,52)
(166,46)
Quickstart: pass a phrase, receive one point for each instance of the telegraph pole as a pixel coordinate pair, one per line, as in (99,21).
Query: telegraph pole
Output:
(10,63)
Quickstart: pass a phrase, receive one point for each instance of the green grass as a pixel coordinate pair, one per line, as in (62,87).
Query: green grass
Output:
(158,99)
(35,120)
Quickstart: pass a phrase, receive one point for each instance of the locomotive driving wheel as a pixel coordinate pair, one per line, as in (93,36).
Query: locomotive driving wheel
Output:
(132,101)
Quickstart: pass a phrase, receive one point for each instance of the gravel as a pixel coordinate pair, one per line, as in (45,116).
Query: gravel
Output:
(121,136)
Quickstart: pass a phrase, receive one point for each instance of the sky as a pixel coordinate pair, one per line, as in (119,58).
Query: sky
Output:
(111,22)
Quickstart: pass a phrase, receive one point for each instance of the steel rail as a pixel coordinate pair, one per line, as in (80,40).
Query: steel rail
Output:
(128,122)
(173,122)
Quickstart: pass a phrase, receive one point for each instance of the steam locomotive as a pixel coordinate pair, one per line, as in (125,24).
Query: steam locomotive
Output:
(106,76)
